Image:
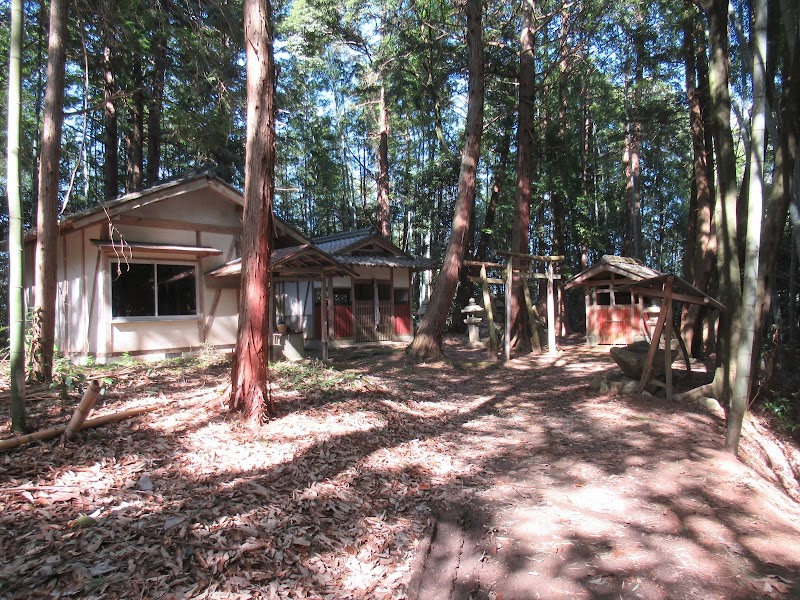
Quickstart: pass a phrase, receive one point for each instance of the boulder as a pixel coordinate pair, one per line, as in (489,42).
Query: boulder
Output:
(631,359)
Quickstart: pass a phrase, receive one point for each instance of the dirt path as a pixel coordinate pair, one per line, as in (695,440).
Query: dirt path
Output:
(386,479)
(583,495)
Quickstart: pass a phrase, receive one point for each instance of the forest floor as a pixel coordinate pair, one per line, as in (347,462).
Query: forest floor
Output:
(385,479)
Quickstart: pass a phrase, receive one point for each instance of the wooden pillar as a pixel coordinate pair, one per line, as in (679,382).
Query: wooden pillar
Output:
(509,291)
(587,309)
(551,312)
(666,307)
(331,325)
(376,309)
(323,311)
(668,346)
(487,306)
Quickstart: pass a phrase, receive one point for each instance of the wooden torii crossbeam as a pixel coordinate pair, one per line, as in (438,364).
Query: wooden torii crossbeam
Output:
(667,288)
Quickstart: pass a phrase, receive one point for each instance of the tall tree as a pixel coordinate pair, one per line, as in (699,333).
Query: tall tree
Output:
(730,290)
(110,154)
(700,242)
(740,395)
(428,340)
(249,385)
(156,103)
(633,139)
(44,318)
(383,219)
(16,301)
(520,233)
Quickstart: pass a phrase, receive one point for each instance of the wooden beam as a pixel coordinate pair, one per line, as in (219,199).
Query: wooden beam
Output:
(496,281)
(652,293)
(475,263)
(492,280)
(651,353)
(175,224)
(530,256)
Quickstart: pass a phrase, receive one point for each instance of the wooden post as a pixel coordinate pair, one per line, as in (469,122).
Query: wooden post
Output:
(551,312)
(662,317)
(323,310)
(587,303)
(533,316)
(668,347)
(487,306)
(509,289)
(82,411)
(331,320)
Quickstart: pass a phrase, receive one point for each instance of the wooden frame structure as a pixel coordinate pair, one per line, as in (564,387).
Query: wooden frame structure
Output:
(668,288)
(527,276)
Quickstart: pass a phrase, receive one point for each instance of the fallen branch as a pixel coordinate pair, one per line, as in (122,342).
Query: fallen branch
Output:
(82,411)
(46,434)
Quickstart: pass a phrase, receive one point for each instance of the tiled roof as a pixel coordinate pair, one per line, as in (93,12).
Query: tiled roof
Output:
(339,241)
(626,269)
(382,260)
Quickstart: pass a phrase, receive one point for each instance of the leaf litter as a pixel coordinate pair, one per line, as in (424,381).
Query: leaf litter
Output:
(334,497)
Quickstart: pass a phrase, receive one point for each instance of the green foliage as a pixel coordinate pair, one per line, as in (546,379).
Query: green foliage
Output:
(67,377)
(786,409)
(314,376)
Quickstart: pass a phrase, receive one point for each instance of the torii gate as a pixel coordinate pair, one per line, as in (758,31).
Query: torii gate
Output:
(507,281)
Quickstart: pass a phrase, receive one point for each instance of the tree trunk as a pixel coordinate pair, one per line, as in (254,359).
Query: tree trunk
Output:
(730,290)
(631,160)
(428,340)
(42,345)
(154,112)
(503,149)
(16,299)
(249,385)
(783,172)
(136,135)
(110,153)
(520,236)
(700,230)
(740,396)
(384,214)
(558,196)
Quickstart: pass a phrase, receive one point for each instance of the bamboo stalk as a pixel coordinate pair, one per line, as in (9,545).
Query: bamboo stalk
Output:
(82,411)
(46,434)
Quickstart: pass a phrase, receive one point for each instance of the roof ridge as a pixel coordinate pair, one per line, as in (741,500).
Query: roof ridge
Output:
(343,234)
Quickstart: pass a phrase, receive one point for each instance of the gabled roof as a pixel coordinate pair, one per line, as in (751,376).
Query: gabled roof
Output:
(368,248)
(305,261)
(619,268)
(188,182)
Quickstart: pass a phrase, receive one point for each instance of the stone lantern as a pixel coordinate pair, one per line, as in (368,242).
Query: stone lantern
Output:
(472,321)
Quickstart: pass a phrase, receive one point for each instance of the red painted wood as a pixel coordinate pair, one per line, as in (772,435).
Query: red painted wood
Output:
(402,319)
(342,322)
(619,324)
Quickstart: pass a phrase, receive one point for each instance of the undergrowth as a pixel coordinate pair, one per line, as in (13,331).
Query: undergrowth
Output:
(313,376)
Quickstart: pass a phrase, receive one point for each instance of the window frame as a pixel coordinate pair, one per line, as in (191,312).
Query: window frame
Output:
(150,318)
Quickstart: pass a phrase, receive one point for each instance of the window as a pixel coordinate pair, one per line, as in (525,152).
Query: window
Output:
(341,296)
(141,290)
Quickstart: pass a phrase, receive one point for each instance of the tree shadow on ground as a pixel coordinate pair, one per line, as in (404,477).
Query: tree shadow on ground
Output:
(545,489)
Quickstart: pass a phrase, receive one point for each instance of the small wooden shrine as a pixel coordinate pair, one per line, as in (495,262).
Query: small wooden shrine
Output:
(613,315)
